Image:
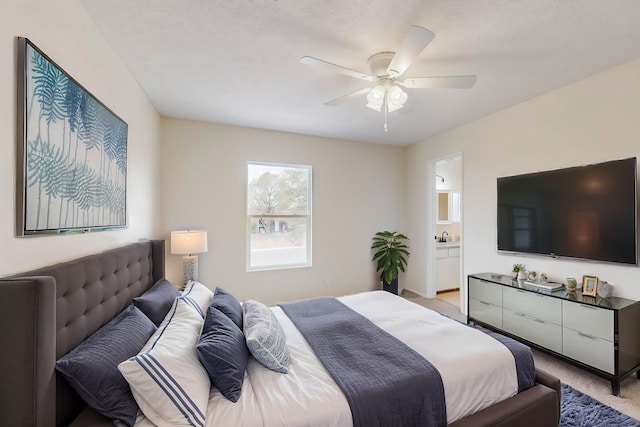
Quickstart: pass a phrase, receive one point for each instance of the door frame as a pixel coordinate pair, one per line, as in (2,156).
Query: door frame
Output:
(431,228)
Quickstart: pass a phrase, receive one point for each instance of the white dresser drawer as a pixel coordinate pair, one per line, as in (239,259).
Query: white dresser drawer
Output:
(485,312)
(485,291)
(454,252)
(588,349)
(543,333)
(541,307)
(587,319)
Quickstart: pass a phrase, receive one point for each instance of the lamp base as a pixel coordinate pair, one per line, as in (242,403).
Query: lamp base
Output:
(189,268)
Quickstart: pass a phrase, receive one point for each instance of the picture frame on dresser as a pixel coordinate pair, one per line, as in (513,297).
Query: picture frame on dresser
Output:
(71,152)
(589,285)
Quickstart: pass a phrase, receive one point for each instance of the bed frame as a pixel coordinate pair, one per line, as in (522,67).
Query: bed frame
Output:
(47,312)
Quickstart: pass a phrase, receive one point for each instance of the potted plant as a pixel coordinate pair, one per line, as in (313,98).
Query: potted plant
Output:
(516,270)
(390,253)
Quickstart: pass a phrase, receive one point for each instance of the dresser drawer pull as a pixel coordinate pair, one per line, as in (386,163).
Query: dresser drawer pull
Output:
(588,306)
(587,336)
(485,303)
(528,317)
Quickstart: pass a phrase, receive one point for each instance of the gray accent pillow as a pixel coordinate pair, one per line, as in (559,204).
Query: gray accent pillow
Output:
(223,353)
(229,305)
(157,301)
(265,337)
(91,368)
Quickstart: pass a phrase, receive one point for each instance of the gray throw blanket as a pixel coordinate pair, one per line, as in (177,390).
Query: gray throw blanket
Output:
(386,383)
(525,368)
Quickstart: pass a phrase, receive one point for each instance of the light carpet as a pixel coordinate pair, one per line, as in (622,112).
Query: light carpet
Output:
(600,389)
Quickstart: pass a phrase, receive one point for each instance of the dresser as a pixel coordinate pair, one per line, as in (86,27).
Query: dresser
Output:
(597,334)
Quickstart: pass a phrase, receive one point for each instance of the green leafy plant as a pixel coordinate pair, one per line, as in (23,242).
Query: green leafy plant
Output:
(390,252)
(517,267)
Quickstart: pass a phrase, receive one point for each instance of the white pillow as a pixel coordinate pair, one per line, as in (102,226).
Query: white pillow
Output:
(166,378)
(198,295)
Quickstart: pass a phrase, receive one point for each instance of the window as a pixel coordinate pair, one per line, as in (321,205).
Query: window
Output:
(278,216)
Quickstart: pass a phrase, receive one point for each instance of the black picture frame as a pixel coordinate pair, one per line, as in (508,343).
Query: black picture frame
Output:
(71,153)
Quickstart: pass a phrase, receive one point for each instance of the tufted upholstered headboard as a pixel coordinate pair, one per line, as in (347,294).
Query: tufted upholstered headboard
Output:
(47,312)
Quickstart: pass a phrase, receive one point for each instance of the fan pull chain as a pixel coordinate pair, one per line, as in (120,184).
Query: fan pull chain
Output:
(386,109)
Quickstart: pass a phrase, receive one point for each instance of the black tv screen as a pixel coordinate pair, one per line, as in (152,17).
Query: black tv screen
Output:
(586,212)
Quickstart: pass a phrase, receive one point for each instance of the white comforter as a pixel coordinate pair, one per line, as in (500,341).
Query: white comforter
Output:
(477,371)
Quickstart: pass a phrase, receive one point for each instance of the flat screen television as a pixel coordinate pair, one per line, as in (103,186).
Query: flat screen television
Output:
(585,212)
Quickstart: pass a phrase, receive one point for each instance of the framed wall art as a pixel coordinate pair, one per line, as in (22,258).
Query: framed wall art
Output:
(72,153)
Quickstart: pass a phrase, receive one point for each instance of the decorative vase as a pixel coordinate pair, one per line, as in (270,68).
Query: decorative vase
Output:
(522,275)
(571,284)
(605,290)
(514,275)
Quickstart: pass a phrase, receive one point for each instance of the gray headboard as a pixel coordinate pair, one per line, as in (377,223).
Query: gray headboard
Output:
(47,312)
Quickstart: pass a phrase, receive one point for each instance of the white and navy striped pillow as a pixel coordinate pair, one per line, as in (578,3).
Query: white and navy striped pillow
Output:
(198,295)
(166,378)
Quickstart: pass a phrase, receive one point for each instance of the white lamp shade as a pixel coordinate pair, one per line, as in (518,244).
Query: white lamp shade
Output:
(396,98)
(375,98)
(188,242)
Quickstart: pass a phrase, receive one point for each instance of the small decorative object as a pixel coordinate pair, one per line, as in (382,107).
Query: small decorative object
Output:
(589,285)
(605,289)
(543,278)
(522,274)
(390,253)
(516,270)
(533,276)
(571,284)
(188,243)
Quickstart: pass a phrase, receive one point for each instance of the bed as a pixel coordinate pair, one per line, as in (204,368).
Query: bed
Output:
(46,313)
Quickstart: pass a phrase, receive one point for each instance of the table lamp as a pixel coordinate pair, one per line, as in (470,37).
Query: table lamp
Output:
(188,243)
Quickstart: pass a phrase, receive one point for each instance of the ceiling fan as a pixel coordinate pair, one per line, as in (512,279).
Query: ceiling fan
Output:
(386,69)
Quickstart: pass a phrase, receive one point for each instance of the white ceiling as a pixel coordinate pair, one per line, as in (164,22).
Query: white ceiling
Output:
(236,61)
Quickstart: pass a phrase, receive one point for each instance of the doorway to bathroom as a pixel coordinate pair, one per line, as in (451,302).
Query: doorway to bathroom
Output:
(448,229)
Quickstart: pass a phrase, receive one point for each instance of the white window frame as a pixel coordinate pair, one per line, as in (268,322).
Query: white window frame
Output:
(249,216)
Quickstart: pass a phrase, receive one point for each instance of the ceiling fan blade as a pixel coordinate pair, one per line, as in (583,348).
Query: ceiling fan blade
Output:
(328,66)
(342,99)
(414,42)
(453,82)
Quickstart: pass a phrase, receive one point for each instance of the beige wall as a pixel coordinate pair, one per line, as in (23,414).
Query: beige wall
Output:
(65,33)
(358,189)
(590,121)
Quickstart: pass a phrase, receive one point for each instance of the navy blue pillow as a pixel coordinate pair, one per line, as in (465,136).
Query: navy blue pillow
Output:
(223,353)
(157,301)
(92,367)
(229,305)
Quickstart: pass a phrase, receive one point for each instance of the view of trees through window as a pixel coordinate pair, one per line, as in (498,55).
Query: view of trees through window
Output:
(278,215)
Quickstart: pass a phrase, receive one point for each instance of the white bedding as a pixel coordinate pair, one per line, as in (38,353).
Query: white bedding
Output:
(477,371)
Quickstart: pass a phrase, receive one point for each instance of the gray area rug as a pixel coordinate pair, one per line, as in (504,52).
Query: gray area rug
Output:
(580,410)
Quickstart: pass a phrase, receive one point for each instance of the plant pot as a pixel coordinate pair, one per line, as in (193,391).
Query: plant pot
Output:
(391,287)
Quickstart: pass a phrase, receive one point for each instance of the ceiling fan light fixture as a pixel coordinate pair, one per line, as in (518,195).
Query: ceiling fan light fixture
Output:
(375,98)
(396,98)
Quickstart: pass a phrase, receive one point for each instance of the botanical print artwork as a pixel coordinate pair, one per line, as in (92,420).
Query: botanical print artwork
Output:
(75,154)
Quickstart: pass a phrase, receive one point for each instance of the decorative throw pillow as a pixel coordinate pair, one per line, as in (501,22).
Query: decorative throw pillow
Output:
(157,301)
(229,305)
(92,367)
(265,337)
(198,295)
(223,353)
(166,377)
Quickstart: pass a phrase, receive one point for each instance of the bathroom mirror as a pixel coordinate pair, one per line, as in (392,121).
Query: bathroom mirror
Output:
(443,213)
